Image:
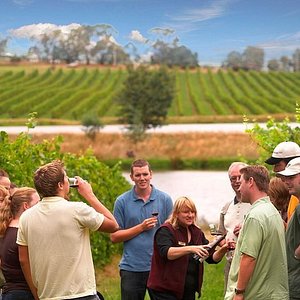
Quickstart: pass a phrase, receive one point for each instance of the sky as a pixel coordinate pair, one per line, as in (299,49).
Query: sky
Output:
(211,28)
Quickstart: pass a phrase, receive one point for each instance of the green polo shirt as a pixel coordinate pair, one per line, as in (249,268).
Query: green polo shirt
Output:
(263,238)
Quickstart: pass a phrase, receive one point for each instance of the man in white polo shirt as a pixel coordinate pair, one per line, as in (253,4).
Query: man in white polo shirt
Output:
(53,237)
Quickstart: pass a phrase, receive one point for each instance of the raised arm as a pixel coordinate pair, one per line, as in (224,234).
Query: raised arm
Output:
(25,265)
(85,190)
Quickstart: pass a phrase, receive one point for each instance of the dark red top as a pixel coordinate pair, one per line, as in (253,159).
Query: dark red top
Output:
(171,275)
(10,264)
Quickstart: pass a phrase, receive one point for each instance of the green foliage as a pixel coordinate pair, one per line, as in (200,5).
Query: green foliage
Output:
(267,138)
(145,99)
(66,94)
(21,157)
(92,125)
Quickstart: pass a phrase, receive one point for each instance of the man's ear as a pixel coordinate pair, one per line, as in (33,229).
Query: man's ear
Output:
(60,185)
(251,181)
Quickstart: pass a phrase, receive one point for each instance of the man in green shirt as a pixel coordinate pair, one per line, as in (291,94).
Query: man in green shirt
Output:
(259,267)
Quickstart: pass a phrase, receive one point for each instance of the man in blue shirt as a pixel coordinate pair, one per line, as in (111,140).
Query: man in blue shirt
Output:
(139,212)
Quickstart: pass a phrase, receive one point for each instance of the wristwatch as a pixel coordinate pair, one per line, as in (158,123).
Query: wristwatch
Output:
(238,291)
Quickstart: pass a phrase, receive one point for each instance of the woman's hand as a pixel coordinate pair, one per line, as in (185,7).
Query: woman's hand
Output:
(200,250)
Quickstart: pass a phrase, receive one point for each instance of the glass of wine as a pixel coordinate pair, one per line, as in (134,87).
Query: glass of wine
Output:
(213,229)
(231,242)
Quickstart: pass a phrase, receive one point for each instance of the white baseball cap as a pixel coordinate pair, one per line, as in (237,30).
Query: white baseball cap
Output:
(292,168)
(282,151)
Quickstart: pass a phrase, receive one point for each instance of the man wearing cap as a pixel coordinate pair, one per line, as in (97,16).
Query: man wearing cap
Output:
(291,177)
(282,154)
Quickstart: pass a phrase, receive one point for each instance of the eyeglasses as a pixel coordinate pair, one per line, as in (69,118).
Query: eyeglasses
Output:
(234,178)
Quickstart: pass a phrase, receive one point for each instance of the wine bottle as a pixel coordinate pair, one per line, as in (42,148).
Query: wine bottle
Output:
(210,248)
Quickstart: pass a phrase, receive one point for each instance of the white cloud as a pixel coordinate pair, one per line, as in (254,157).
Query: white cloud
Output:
(135,35)
(36,30)
(22,2)
(146,58)
(188,20)
(282,45)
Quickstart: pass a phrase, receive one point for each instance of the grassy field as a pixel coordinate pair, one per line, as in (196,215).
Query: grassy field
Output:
(65,94)
(108,280)
(165,151)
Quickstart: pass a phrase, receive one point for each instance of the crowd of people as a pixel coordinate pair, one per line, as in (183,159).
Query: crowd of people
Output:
(45,246)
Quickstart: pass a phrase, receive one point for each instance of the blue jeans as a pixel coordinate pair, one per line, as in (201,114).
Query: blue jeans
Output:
(133,285)
(18,295)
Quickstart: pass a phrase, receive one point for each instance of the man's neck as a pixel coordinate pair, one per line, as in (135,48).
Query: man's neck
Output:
(258,196)
(144,193)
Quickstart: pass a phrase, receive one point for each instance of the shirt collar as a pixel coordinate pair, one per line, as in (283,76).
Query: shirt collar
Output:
(53,199)
(152,195)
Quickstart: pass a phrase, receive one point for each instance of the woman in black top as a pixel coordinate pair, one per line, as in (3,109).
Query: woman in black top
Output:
(15,286)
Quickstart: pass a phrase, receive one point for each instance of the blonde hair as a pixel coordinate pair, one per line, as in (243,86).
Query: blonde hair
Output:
(179,205)
(11,206)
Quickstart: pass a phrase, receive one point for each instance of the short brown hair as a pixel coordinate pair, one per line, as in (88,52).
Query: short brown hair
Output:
(139,163)
(47,177)
(260,175)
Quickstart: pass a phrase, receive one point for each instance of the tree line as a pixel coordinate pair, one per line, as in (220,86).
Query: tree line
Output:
(96,43)
(253,59)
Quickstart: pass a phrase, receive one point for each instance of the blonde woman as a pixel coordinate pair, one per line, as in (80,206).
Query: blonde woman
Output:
(175,274)
(15,286)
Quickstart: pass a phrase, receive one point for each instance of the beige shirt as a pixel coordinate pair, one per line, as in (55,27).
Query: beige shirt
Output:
(56,232)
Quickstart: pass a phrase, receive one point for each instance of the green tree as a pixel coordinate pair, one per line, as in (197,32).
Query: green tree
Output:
(92,125)
(145,99)
(3,45)
(273,65)
(268,137)
(234,60)
(296,60)
(253,58)
(20,157)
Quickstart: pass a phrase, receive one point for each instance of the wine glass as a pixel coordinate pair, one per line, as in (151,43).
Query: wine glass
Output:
(213,229)
(231,242)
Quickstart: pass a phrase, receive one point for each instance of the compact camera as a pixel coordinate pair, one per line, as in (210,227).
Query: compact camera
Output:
(73,182)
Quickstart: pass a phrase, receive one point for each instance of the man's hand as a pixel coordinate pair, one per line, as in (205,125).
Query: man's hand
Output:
(149,223)
(237,229)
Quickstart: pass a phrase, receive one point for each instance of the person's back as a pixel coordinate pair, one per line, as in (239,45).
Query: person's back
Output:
(60,249)
(53,237)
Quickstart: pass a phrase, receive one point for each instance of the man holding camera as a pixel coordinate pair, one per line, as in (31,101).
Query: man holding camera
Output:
(53,237)
(139,212)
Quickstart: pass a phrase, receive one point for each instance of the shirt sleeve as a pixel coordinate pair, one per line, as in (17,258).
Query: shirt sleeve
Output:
(88,217)
(21,238)
(252,237)
(119,214)
(164,240)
